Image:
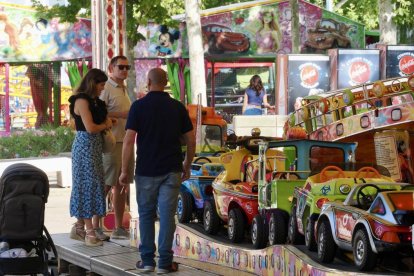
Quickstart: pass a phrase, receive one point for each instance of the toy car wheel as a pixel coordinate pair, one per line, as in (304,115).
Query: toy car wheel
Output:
(326,243)
(277,229)
(310,234)
(365,259)
(294,236)
(235,227)
(257,232)
(211,220)
(184,207)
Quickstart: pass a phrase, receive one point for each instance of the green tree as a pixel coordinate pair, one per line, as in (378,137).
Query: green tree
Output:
(366,11)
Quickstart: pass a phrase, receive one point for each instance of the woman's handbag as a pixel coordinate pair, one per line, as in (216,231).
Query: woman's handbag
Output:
(109,141)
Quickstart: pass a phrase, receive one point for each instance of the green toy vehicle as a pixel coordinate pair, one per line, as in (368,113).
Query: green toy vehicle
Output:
(330,183)
(275,192)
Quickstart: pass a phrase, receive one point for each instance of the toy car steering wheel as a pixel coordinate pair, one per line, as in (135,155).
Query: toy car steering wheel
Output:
(202,158)
(325,177)
(284,175)
(365,200)
(368,171)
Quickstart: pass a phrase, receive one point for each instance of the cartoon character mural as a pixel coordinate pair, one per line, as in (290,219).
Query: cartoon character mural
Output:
(256,29)
(8,36)
(268,37)
(39,39)
(220,38)
(328,33)
(166,41)
(165,46)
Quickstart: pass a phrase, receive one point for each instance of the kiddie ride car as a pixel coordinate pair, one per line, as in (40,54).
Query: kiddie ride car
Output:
(327,183)
(275,193)
(374,218)
(197,189)
(235,190)
(212,133)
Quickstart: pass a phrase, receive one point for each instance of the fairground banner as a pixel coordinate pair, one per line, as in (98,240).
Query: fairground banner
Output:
(25,37)
(254,30)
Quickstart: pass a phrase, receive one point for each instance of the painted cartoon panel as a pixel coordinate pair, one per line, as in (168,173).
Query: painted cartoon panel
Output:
(160,41)
(249,31)
(322,30)
(21,32)
(273,260)
(255,30)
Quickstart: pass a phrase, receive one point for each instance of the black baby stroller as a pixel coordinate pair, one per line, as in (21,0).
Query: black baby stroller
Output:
(24,190)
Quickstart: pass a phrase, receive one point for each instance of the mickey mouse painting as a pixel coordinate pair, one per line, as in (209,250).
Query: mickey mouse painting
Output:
(165,41)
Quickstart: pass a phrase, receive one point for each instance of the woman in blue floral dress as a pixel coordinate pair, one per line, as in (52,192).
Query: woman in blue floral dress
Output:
(90,115)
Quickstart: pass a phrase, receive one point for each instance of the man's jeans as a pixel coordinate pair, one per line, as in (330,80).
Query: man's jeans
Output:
(161,191)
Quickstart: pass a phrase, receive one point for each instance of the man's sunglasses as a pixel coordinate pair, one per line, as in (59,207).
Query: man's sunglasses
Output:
(124,67)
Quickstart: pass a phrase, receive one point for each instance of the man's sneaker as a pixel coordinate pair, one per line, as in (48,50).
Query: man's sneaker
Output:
(100,235)
(120,234)
(144,268)
(164,270)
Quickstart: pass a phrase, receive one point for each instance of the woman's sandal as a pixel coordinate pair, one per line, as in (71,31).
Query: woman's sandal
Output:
(91,239)
(78,232)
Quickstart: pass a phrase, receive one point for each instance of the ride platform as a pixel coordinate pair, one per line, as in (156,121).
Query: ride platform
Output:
(199,254)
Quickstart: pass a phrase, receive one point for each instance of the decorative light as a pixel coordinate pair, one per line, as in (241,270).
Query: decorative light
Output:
(348,96)
(379,89)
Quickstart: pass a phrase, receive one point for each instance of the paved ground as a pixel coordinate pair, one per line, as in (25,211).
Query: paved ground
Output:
(57,217)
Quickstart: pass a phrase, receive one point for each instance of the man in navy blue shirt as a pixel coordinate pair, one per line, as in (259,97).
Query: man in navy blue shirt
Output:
(158,124)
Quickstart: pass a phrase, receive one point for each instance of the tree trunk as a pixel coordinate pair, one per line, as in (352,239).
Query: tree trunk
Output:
(294,5)
(196,52)
(388,30)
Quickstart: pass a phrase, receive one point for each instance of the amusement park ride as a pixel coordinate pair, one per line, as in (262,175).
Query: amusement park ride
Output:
(378,115)
(291,206)
(296,191)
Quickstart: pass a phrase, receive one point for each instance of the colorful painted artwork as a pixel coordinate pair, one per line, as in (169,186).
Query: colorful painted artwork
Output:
(259,30)
(329,31)
(160,41)
(274,260)
(25,37)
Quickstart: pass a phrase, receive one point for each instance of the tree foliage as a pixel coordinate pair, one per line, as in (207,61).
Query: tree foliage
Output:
(366,11)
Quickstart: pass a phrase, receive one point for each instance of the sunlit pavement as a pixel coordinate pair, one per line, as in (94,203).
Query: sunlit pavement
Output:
(57,217)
